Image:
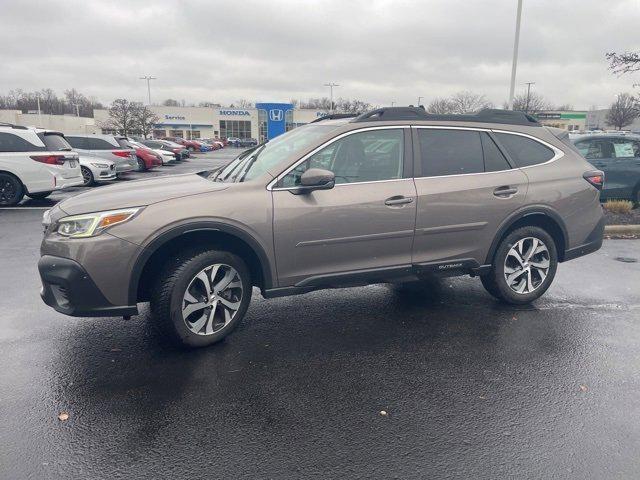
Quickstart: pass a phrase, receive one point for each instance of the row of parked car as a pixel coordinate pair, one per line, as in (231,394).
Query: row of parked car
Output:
(35,162)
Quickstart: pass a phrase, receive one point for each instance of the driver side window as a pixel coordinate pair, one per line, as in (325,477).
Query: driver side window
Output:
(368,156)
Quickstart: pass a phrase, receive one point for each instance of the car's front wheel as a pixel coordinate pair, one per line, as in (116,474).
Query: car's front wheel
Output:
(142,167)
(524,266)
(11,190)
(87,177)
(201,297)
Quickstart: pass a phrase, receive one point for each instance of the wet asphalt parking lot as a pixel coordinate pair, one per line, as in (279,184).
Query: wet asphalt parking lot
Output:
(471,388)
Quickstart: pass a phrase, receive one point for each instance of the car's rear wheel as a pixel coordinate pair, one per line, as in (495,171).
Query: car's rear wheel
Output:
(524,266)
(11,190)
(87,177)
(38,195)
(201,297)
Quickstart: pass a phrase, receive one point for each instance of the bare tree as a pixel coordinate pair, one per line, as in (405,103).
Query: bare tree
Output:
(242,103)
(170,102)
(144,119)
(469,102)
(531,103)
(564,107)
(623,111)
(626,62)
(122,116)
(440,106)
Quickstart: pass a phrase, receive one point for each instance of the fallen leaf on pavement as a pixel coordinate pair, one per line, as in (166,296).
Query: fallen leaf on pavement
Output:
(63,416)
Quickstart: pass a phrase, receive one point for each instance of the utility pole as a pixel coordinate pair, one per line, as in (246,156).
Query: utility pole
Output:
(331,85)
(514,63)
(528,84)
(39,113)
(148,79)
(419,101)
(77,105)
(393,103)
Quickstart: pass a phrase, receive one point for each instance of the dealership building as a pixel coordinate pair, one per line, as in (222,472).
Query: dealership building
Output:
(265,121)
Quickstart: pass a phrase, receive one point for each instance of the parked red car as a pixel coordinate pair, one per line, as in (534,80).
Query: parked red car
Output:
(191,145)
(147,158)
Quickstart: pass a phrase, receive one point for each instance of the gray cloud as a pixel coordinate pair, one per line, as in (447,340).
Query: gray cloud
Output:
(380,51)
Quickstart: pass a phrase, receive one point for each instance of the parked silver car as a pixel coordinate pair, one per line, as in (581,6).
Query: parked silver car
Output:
(106,147)
(394,195)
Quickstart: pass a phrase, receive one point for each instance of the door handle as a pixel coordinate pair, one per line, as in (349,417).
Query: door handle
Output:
(397,200)
(505,191)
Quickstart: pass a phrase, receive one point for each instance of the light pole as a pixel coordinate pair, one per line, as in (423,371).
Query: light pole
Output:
(393,103)
(77,105)
(528,84)
(419,100)
(39,113)
(331,85)
(514,63)
(148,79)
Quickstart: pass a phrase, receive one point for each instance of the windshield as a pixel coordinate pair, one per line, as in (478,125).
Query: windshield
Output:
(256,161)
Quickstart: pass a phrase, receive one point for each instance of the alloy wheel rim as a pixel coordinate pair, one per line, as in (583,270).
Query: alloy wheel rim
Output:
(86,176)
(526,265)
(7,191)
(212,299)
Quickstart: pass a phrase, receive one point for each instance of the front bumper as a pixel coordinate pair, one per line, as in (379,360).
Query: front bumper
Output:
(126,166)
(68,289)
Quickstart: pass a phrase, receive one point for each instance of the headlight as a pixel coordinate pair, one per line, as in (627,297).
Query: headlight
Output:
(100,165)
(91,224)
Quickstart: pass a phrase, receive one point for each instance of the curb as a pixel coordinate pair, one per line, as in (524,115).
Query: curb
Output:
(622,229)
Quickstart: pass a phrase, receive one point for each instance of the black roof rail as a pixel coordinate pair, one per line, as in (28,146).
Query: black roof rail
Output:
(488,115)
(334,116)
(6,124)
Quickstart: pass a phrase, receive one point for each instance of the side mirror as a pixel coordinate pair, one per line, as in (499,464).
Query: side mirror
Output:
(315,179)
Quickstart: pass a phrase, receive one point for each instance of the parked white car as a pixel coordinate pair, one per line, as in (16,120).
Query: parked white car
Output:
(104,147)
(34,162)
(97,170)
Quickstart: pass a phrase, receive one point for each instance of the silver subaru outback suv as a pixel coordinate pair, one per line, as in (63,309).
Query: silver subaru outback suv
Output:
(393,195)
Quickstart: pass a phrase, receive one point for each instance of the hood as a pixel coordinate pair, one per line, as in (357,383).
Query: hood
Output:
(139,193)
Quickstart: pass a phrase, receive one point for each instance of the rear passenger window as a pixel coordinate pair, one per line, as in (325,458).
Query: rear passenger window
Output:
(14,143)
(77,142)
(99,144)
(494,160)
(53,142)
(450,152)
(523,150)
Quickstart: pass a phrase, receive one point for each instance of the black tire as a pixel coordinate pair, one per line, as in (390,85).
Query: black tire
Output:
(87,177)
(168,296)
(495,282)
(39,195)
(11,190)
(141,165)
(191,149)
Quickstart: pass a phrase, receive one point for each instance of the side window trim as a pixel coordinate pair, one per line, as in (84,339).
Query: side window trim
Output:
(408,157)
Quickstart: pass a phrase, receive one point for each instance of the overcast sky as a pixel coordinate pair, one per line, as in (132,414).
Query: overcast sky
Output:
(275,50)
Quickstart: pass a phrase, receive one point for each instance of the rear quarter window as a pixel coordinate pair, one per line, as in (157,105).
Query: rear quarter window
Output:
(77,142)
(524,151)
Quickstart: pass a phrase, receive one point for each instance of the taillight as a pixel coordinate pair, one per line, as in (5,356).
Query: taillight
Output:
(595,178)
(49,159)
(121,153)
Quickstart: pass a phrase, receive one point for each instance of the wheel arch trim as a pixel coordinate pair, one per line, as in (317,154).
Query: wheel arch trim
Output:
(518,215)
(200,226)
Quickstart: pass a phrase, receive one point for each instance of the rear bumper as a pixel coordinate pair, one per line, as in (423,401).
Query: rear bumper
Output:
(68,289)
(62,183)
(592,243)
